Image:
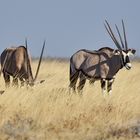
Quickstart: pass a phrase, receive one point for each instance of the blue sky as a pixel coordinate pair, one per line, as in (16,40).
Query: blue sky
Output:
(67,25)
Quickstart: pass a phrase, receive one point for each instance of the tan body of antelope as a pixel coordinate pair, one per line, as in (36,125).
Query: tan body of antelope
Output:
(16,62)
(102,64)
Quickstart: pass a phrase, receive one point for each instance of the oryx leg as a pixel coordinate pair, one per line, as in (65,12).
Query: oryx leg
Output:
(81,83)
(22,81)
(15,82)
(103,85)
(16,76)
(6,79)
(73,81)
(109,86)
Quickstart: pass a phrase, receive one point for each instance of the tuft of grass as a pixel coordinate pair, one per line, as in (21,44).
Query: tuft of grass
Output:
(48,111)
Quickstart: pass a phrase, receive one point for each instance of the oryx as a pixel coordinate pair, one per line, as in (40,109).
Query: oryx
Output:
(16,62)
(102,64)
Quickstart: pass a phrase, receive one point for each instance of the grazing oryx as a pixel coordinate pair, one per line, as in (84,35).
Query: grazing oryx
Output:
(102,64)
(16,62)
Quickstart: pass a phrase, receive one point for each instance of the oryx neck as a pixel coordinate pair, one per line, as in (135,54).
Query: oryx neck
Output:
(122,61)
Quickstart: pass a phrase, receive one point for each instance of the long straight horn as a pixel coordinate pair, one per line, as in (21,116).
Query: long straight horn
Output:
(26,43)
(26,48)
(109,30)
(119,36)
(40,59)
(126,46)
(29,69)
(27,55)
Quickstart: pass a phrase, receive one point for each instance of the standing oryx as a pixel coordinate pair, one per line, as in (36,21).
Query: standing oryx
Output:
(102,64)
(16,62)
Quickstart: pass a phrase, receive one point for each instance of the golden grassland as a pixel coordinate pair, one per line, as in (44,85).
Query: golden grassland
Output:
(48,112)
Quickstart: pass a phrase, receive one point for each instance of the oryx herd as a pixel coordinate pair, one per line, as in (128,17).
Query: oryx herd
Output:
(102,64)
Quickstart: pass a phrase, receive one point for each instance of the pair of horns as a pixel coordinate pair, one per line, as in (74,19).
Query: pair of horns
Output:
(117,43)
(40,59)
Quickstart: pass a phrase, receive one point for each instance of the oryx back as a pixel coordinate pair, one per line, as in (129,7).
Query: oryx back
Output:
(13,61)
(80,58)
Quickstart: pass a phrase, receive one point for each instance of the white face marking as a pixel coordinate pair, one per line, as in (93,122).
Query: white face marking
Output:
(124,55)
(127,64)
(130,52)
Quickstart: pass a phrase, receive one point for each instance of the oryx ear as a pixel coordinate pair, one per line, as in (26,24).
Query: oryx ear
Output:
(116,52)
(131,51)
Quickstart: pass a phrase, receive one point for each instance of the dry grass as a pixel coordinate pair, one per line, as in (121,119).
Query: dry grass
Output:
(47,111)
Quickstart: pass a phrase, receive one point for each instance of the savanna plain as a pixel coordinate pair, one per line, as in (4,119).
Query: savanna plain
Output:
(48,112)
